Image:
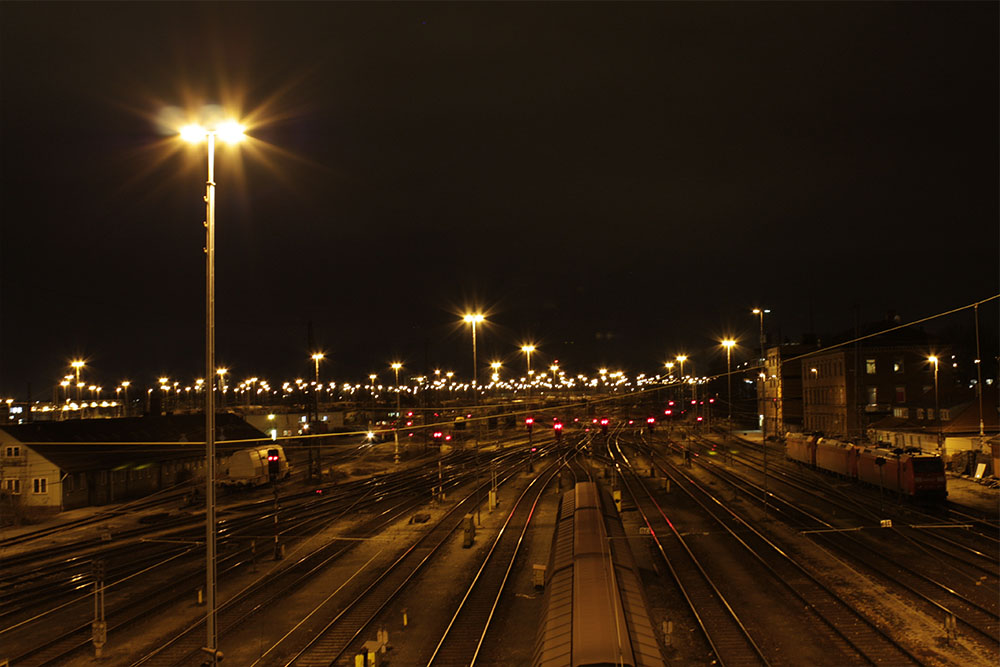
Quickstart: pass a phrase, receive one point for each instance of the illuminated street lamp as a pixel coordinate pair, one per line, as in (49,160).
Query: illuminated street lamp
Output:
(317,357)
(729,344)
(125,385)
(528,349)
(474,319)
(763,425)
(937,405)
(77,364)
(229,132)
(222,373)
(399,414)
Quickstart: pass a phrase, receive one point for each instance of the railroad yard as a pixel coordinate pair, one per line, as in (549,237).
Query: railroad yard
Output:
(795,567)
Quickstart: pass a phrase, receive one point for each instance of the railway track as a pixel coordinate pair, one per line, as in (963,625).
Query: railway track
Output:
(463,637)
(974,609)
(332,642)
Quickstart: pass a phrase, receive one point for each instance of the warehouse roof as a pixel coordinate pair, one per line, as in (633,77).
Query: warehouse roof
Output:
(106,444)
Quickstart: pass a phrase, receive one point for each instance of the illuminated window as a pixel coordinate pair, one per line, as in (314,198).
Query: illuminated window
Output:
(872,393)
(12,451)
(897,366)
(12,486)
(920,413)
(870,366)
(945,415)
(40,485)
(930,413)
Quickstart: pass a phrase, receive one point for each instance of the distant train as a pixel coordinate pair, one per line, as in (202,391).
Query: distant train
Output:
(906,471)
(249,467)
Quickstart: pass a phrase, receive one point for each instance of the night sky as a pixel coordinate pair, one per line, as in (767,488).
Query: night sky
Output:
(615,182)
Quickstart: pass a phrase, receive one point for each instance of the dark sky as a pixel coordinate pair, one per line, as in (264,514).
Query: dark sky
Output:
(616,182)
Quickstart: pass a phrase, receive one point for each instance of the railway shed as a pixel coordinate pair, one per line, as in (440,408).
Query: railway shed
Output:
(54,466)
(594,610)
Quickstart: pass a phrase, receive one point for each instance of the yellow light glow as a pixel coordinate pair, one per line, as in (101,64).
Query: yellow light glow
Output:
(474,317)
(933,360)
(193,133)
(221,371)
(76,363)
(527,348)
(681,358)
(318,356)
(126,384)
(231,132)
(396,366)
(728,343)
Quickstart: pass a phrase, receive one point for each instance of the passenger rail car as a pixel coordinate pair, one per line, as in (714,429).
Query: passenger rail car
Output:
(595,611)
(249,467)
(909,472)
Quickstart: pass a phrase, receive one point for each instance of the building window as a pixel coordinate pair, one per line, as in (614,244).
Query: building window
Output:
(930,413)
(870,366)
(920,413)
(40,485)
(897,366)
(12,486)
(12,451)
(900,413)
(900,394)
(944,414)
(872,393)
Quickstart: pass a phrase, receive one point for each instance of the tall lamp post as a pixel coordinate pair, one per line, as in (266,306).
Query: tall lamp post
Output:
(728,344)
(399,415)
(937,404)
(316,357)
(474,319)
(229,132)
(77,364)
(528,349)
(760,312)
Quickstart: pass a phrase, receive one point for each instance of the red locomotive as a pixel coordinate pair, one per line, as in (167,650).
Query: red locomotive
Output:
(910,472)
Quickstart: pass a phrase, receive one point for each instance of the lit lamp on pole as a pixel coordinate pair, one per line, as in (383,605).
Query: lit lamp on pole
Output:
(495,365)
(228,132)
(528,349)
(474,319)
(937,404)
(317,357)
(77,364)
(729,344)
(760,312)
(399,414)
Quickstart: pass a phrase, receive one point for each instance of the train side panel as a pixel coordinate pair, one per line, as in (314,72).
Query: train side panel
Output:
(837,457)
(801,448)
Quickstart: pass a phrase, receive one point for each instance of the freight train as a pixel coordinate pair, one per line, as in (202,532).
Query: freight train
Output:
(909,472)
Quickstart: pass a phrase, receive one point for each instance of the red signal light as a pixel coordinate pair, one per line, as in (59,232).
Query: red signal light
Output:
(694,402)
(700,418)
(670,403)
(650,420)
(557,426)
(529,420)
(604,422)
(668,412)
